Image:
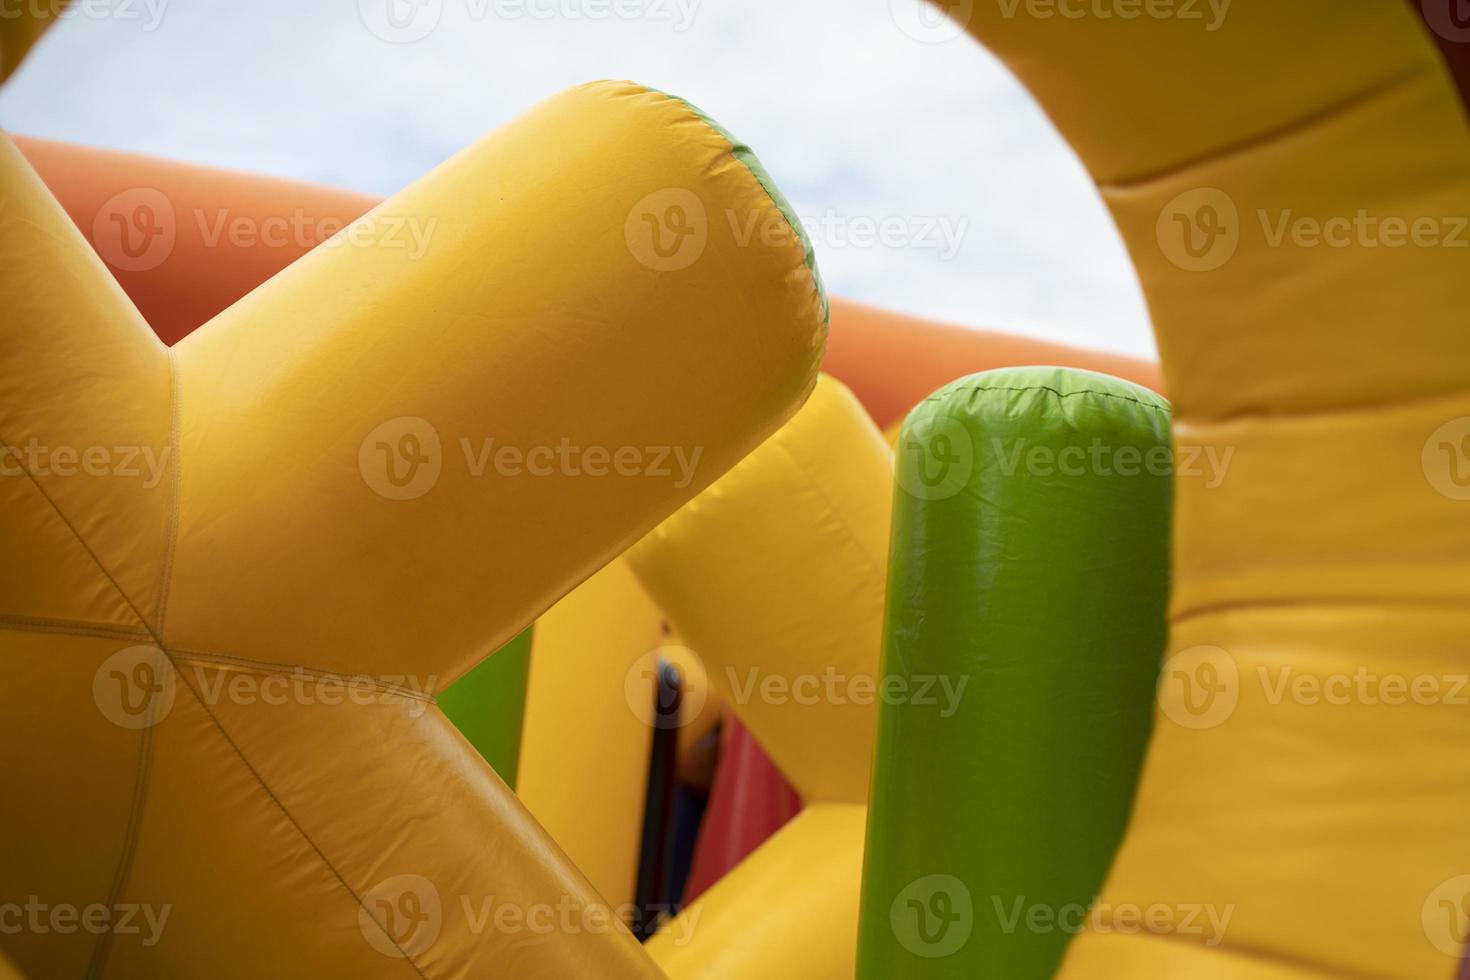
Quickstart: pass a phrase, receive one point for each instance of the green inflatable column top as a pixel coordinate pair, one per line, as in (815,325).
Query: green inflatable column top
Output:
(488,705)
(1028,580)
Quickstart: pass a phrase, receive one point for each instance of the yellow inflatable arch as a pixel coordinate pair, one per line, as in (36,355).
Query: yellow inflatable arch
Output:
(1332,370)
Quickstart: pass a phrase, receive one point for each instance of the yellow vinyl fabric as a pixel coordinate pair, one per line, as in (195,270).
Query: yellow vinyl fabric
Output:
(775,576)
(1292,180)
(584,747)
(240,646)
(589,722)
(790,909)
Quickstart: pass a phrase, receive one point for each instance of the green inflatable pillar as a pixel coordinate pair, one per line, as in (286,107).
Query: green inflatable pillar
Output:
(1028,579)
(488,704)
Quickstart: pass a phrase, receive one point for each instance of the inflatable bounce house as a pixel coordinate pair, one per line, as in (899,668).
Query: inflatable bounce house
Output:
(782,637)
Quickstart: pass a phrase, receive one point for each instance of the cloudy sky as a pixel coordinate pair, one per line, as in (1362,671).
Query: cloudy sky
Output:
(864,111)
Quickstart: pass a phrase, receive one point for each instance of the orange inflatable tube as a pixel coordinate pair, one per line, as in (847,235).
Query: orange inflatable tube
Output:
(186,241)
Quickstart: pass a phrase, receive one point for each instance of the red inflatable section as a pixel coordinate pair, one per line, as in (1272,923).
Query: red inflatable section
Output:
(750,801)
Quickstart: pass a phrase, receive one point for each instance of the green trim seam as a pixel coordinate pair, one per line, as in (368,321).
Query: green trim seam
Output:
(746,156)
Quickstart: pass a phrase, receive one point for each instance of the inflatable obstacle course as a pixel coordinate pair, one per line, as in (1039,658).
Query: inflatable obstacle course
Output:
(311,525)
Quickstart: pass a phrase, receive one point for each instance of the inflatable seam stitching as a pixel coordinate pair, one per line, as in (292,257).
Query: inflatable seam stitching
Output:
(292,820)
(940,395)
(1364,96)
(40,624)
(175,464)
(743,155)
(205,658)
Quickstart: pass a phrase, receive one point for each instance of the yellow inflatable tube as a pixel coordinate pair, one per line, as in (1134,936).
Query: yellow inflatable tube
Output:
(776,576)
(584,747)
(316,427)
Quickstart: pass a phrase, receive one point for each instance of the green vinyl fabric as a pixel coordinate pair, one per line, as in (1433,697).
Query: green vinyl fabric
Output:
(1025,624)
(488,705)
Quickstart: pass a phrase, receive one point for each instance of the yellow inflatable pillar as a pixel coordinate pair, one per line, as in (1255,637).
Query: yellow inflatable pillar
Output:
(241,644)
(776,576)
(1296,211)
(584,753)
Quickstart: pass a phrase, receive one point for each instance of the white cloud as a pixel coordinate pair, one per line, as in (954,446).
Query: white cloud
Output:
(857,121)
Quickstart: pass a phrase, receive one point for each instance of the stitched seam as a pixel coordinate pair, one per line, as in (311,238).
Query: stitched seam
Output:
(287,814)
(203,658)
(99,951)
(166,578)
(1315,117)
(81,541)
(940,396)
(1259,605)
(38,624)
(1258,954)
(98,960)
(1373,408)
